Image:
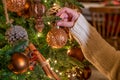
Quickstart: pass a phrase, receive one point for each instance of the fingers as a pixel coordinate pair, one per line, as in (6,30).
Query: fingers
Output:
(64,17)
(61,11)
(65,24)
(64,10)
(68,17)
(69,12)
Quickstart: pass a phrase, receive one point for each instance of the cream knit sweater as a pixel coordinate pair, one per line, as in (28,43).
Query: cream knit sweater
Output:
(96,50)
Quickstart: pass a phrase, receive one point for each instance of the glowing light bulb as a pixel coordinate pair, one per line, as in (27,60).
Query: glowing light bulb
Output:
(48,23)
(60,73)
(69,76)
(54,4)
(80,72)
(55,61)
(56,71)
(48,60)
(39,34)
(51,68)
(73,75)
(28,72)
(45,0)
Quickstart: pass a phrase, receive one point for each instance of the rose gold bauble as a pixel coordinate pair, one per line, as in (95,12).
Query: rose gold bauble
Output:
(19,63)
(15,5)
(56,38)
(76,53)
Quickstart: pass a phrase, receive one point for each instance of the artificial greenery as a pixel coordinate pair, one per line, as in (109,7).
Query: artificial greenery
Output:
(64,62)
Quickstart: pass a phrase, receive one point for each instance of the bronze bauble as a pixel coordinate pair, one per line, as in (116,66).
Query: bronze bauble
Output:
(19,63)
(25,12)
(15,5)
(76,53)
(56,37)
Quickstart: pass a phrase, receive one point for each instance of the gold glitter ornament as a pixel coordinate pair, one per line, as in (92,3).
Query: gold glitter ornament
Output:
(56,37)
(53,10)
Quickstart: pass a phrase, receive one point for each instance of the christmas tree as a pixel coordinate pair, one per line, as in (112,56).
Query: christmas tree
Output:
(32,47)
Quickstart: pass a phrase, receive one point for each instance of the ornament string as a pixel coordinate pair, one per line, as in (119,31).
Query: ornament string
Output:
(6,12)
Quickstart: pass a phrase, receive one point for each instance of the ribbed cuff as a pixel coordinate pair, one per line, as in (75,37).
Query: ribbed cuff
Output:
(81,30)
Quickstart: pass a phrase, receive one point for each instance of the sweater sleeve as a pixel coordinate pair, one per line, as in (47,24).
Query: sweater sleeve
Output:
(96,50)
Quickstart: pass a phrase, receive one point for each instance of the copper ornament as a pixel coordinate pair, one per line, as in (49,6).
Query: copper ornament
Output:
(56,38)
(25,12)
(15,5)
(76,53)
(19,63)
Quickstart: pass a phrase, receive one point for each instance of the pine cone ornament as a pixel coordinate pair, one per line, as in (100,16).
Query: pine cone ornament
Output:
(57,37)
(53,10)
(15,5)
(15,34)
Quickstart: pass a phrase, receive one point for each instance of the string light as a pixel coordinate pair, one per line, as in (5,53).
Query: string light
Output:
(48,60)
(68,51)
(56,71)
(39,34)
(48,23)
(60,73)
(68,76)
(54,4)
(51,68)
(28,72)
(45,1)
(80,72)
(73,75)
(55,61)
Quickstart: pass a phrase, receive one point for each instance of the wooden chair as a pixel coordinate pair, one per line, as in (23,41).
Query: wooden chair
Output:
(107,22)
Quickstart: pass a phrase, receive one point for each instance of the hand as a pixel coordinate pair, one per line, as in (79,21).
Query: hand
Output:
(68,17)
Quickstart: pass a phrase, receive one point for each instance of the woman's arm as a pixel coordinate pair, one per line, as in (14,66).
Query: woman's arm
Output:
(96,50)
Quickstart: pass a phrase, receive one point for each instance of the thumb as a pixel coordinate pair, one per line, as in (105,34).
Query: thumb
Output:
(65,24)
